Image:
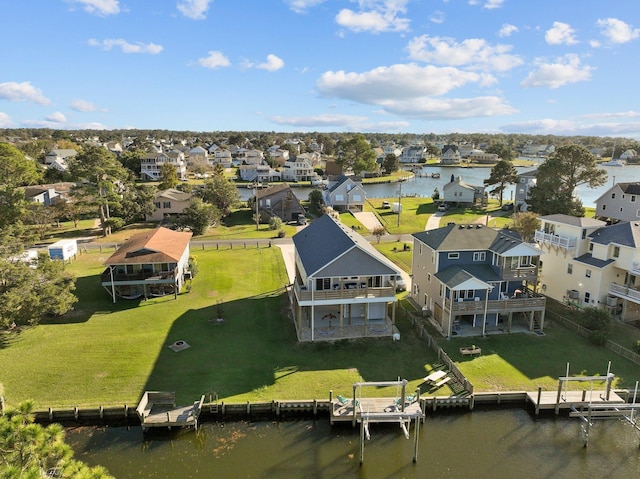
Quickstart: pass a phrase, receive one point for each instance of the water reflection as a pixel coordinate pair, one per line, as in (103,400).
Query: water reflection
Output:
(483,444)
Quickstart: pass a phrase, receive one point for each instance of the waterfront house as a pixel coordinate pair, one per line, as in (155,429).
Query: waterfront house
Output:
(457,191)
(450,155)
(260,173)
(621,202)
(525,181)
(151,263)
(588,263)
(298,169)
(343,286)
(278,200)
(169,203)
(476,279)
(344,194)
(151,165)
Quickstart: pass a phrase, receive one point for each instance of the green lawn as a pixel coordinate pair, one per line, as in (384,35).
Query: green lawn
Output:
(109,354)
(413,218)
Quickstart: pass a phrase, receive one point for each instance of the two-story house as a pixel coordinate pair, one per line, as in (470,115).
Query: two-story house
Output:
(412,154)
(343,286)
(57,158)
(260,173)
(450,155)
(525,181)
(621,202)
(151,263)
(151,165)
(278,200)
(590,264)
(476,279)
(344,194)
(298,169)
(169,203)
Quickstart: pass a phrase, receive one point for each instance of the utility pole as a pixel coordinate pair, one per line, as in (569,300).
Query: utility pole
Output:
(255,193)
(399,202)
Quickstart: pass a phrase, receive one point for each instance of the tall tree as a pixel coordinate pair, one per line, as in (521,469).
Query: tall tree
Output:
(357,154)
(526,223)
(503,151)
(502,174)
(168,177)
(560,175)
(29,450)
(101,178)
(390,163)
(16,170)
(221,193)
(198,216)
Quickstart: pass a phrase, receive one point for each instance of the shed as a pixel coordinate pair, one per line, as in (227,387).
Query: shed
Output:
(63,249)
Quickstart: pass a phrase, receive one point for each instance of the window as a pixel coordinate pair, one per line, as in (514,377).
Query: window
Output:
(339,197)
(453,256)
(479,256)
(616,251)
(633,198)
(604,207)
(323,283)
(157,203)
(166,204)
(440,290)
(357,198)
(584,234)
(587,273)
(590,246)
(429,277)
(587,297)
(569,268)
(613,195)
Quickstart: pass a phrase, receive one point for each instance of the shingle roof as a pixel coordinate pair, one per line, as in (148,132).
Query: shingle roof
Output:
(623,234)
(456,275)
(326,239)
(469,237)
(573,220)
(272,190)
(174,194)
(160,245)
(587,258)
(630,188)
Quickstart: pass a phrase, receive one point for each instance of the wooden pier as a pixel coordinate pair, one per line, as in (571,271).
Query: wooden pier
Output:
(158,409)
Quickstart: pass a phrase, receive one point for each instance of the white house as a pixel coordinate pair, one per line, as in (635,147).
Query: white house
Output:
(298,169)
(151,165)
(450,155)
(457,191)
(621,202)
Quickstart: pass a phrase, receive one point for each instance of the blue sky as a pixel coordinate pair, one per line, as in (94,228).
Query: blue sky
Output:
(564,67)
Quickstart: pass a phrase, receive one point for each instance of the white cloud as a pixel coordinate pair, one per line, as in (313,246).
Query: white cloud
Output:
(507,29)
(619,114)
(99,7)
(272,64)
(194,9)
(549,126)
(437,17)
(617,31)
(450,108)
(63,126)
(5,120)
(324,120)
(488,4)
(301,6)
(474,53)
(560,34)
(381,16)
(595,43)
(82,105)
(215,60)
(56,117)
(565,70)
(125,46)
(401,81)
(24,91)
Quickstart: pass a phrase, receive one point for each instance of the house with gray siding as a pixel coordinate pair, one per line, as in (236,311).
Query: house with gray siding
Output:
(474,279)
(344,194)
(343,287)
(621,202)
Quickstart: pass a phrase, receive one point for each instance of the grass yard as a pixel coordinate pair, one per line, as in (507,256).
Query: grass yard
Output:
(413,218)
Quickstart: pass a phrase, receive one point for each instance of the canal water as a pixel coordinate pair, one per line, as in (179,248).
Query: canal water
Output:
(425,185)
(506,443)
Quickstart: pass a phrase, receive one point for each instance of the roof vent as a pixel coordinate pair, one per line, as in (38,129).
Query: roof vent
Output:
(461,227)
(469,227)
(478,227)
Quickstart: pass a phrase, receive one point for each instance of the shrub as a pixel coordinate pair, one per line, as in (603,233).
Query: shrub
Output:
(597,337)
(275,223)
(636,347)
(281,234)
(193,266)
(596,319)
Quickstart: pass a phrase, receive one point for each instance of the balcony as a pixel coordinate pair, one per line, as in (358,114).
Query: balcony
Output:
(534,302)
(350,291)
(566,242)
(635,268)
(140,277)
(624,292)
(525,273)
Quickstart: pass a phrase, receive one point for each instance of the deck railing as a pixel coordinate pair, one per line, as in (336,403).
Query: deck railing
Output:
(140,276)
(529,273)
(498,305)
(344,293)
(624,292)
(567,242)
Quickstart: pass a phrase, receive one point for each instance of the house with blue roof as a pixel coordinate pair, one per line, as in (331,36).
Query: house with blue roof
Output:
(343,287)
(476,280)
(588,263)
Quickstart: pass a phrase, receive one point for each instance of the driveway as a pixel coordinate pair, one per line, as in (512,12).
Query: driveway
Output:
(368,219)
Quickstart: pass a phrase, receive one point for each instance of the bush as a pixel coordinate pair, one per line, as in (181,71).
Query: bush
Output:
(275,223)
(281,234)
(636,347)
(596,319)
(193,266)
(597,337)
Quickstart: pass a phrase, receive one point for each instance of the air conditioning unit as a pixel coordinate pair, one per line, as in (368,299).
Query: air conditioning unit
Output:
(573,294)
(612,301)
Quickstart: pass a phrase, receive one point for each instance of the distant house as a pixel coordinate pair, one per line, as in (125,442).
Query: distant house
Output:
(280,201)
(450,155)
(259,173)
(151,165)
(221,157)
(479,156)
(57,158)
(475,278)
(41,194)
(343,285)
(198,153)
(412,154)
(152,263)
(525,181)
(621,202)
(298,169)
(457,191)
(344,194)
(169,203)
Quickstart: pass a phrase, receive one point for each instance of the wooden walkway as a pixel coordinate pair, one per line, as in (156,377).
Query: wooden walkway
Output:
(375,410)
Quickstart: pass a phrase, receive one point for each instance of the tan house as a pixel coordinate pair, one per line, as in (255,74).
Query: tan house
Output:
(280,201)
(169,204)
(148,264)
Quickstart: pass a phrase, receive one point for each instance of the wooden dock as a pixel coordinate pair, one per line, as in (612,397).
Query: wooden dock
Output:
(158,409)
(375,409)
(571,399)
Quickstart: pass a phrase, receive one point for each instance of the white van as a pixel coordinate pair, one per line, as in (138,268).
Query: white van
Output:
(401,285)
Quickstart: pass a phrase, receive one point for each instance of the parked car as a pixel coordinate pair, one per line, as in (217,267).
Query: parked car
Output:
(302,220)
(443,207)
(401,284)
(386,205)
(507,207)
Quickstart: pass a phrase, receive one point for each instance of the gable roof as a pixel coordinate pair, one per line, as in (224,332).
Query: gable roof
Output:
(623,234)
(588,259)
(473,238)
(174,194)
(582,222)
(342,179)
(326,240)
(272,190)
(160,245)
